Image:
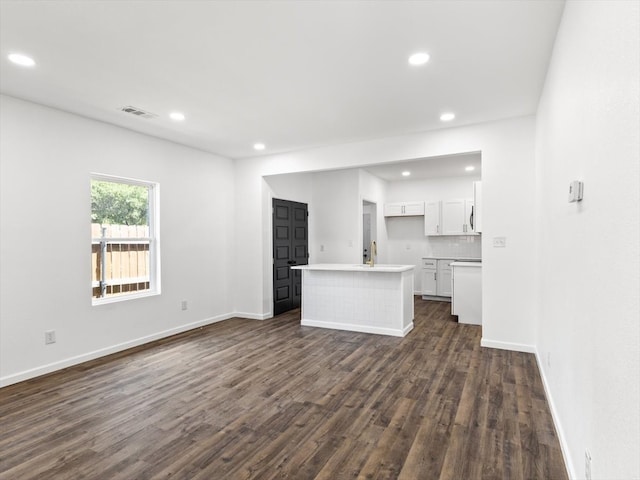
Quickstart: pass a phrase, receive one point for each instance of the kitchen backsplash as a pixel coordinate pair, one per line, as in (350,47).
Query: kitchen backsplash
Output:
(454,246)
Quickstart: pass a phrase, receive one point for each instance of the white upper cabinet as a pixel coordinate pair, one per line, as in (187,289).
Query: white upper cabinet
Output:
(449,217)
(469,213)
(477,210)
(432,218)
(393,209)
(403,209)
(453,217)
(414,208)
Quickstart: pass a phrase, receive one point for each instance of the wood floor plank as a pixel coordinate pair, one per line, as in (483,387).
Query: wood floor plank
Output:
(242,399)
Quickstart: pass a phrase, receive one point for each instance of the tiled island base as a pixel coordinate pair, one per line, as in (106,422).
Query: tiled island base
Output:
(360,299)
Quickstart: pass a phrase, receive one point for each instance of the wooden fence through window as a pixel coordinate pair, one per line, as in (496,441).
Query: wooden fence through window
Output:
(127,261)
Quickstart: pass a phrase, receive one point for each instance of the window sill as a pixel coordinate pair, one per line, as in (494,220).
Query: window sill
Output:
(123,298)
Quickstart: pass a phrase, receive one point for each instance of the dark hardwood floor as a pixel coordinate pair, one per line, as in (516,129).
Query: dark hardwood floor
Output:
(249,399)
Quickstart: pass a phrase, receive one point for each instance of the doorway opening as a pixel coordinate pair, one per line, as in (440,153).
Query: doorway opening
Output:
(369,228)
(290,248)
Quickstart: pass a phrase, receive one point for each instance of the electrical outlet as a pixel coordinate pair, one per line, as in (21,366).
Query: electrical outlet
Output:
(49,337)
(183,305)
(587,465)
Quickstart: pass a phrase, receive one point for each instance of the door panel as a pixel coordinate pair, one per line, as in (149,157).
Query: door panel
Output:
(282,293)
(282,253)
(290,247)
(282,273)
(282,232)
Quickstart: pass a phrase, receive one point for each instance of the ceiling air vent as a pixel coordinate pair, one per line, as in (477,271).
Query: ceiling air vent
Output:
(138,112)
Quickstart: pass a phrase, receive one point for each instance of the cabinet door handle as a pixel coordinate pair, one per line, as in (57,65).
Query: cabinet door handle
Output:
(471,218)
(435,275)
(437,228)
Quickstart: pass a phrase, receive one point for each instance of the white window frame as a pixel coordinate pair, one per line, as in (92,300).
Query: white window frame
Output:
(153,216)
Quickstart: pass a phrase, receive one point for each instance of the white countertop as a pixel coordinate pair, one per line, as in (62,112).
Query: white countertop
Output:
(346,267)
(457,259)
(458,263)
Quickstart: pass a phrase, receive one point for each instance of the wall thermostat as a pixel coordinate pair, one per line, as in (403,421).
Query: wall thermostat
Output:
(575,191)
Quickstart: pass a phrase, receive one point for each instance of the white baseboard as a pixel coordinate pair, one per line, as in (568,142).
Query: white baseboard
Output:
(556,419)
(516,347)
(436,298)
(85,357)
(358,328)
(253,316)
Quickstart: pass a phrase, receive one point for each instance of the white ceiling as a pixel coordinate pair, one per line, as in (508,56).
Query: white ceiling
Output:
(290,74)
(432,167)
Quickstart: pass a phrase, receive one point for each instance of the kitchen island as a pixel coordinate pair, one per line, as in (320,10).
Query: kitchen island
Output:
(358,298)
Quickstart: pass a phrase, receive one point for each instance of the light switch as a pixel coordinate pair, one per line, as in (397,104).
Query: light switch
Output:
(499,242)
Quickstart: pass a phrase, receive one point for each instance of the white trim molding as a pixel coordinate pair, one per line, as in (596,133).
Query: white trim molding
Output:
(358,328)
(516,347)
(253,316)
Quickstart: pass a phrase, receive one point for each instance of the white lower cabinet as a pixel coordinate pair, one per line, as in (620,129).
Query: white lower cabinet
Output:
(444,278)
(436,278)
(429,277)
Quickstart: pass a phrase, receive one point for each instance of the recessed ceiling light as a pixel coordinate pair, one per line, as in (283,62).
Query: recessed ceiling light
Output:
(447,117)
(22,60)
(470,168)
(177,116)
(419,58)
(259,146)
(406,173)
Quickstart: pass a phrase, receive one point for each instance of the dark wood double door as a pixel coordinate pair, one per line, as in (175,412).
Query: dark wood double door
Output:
(290,247)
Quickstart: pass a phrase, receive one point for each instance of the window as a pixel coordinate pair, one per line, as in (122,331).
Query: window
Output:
(124,239)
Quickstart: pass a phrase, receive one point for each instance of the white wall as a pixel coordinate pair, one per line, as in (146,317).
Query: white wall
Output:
(508,185)
(46,157)
(588,333)
(334,221)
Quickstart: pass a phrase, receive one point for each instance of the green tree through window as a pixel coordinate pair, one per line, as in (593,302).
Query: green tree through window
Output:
(118,203)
